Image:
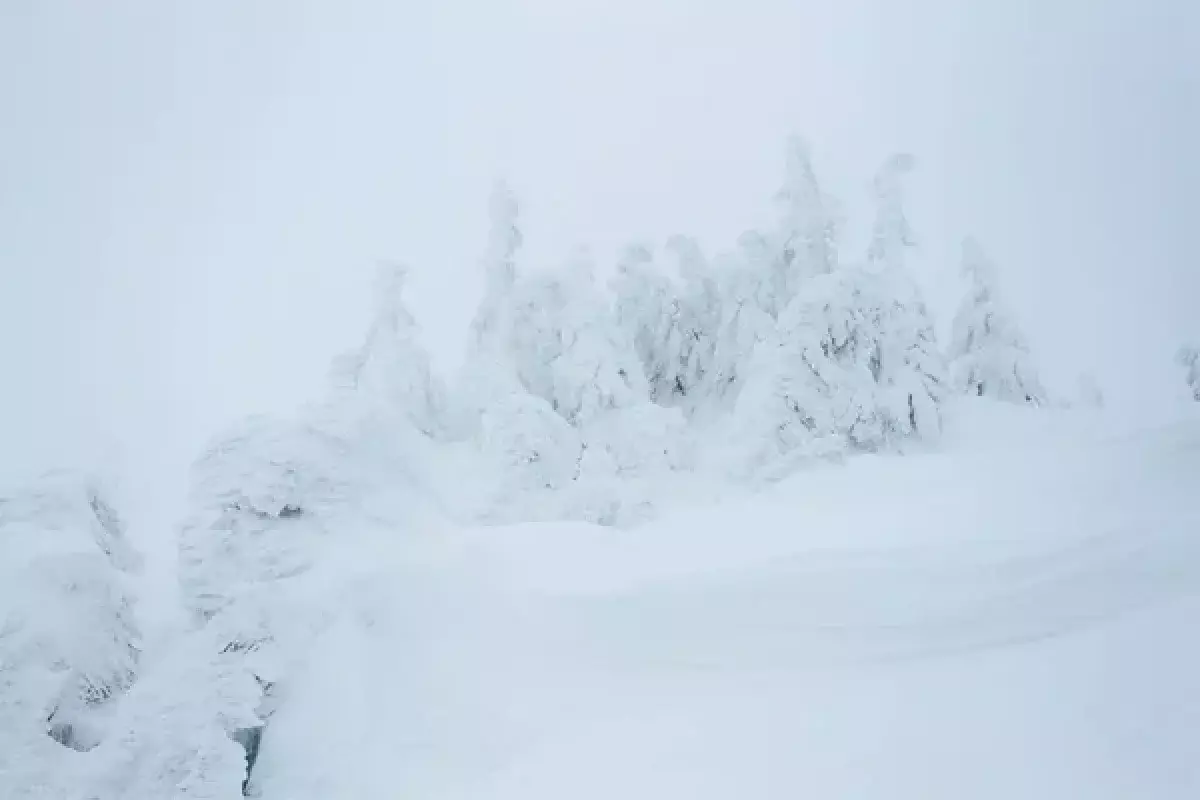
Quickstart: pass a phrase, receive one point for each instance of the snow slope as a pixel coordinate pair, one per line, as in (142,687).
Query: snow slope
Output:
(1011,621)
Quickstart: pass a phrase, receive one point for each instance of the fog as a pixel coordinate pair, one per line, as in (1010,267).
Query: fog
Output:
(193,196)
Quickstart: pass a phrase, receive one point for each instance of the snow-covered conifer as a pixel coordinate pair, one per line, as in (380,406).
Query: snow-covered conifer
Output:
(499,264)
(392,367)
(534,447)
(808,227)
(693,339)
(989,356)
(646,308)
(743,325)
(597,368)
(69,643)
(909,366)
(811,390)
(891,233)
(534,341)
(487,371)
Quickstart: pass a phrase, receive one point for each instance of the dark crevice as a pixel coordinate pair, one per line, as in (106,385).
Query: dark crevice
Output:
(250,739)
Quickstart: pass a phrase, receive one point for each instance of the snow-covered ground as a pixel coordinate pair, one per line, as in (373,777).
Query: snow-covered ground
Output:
(1006,618)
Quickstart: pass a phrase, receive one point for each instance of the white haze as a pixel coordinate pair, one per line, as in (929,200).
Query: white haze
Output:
(193,196)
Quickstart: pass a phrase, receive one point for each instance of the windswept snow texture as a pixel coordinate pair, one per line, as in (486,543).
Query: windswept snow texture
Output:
(1011,621)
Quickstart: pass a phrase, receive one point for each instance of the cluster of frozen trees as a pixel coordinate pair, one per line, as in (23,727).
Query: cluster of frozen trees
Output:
(586,392)
(584,385)
(784,346)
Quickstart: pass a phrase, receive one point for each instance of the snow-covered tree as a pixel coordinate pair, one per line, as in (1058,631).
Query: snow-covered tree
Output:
(191,727)
(530,445)
(693,339)
(808,228)
(69,642)
(811,390)
(534,340)
(499,264)
(891,233)
(568,347)
(488,371)
(646,308)
(988,354)
(853,362)
(909,366)
(392,367)
(1188,357)
(912,371)
(271,502)
(743,325)
(596,369)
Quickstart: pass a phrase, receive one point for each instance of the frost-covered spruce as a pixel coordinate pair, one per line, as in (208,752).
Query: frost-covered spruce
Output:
(68,640)
(811,390)
(692,343)
(596,369)
(646,309)
(499,265)
(533,445)
(909,367)
(391,367)
(806,238)
(743,325)
(567,346)
(988,354)
(488,371)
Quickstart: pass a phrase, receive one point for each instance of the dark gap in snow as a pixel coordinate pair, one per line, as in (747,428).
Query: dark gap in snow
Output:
(64,734)
(250,739)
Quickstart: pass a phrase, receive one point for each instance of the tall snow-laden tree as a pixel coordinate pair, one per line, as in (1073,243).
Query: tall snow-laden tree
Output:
(499,264)
(910,369)
(1188,357)
(989,356)
(807,233)
(597,368)
(534,341)
(811,389)
(391,367)
(693,339)
(69,642)
(646,309)
(891,233)
(488,371)
(568,347)
(743,325)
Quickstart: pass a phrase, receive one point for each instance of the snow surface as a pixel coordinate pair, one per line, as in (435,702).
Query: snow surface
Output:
(1011,617)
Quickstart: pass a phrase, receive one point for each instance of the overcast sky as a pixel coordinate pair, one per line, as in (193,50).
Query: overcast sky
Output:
(193,195)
